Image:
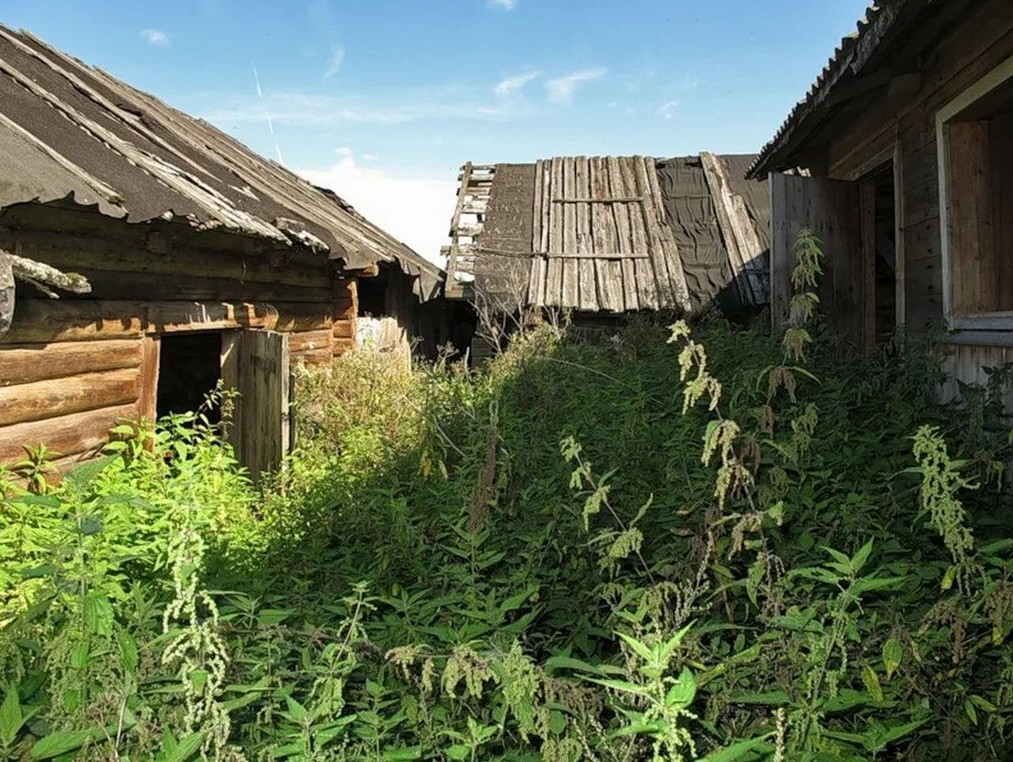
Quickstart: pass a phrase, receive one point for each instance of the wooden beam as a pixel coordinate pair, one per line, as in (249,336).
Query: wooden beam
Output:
(23,364)
(66,435)
(40,400)
(867,228)
(741,241)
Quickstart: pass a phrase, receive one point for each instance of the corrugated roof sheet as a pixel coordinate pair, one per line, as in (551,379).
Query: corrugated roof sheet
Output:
(850,57)
(611,234)
(70,132)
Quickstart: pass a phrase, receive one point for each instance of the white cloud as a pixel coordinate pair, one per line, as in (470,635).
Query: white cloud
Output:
(511,85)
(668,109)
(370,157)
(384,108)
(416,210)
(507,5)
(155,37)
(561,89)
(337,58)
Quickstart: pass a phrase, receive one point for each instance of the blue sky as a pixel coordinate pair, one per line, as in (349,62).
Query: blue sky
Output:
(384,100)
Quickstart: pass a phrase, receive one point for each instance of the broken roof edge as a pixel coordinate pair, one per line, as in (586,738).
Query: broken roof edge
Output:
(852,55)
(351,237)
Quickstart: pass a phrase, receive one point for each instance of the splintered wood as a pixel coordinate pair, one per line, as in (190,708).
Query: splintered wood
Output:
(600,241)
(467,225)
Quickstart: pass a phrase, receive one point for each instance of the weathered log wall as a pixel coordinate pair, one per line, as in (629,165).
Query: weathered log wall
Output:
(70,369)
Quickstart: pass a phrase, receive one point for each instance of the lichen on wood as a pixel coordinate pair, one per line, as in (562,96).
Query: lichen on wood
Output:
(40,275)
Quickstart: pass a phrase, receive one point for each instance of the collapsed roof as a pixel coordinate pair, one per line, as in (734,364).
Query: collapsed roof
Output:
(611,234)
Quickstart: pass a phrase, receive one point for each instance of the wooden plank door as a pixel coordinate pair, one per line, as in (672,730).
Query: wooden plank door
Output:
(261,432)
(830,209)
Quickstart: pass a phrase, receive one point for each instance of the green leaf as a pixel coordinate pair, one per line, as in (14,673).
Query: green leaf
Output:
(295,709)
(458,751)
(82,476)
(185,749)
(91,525)
(739,750)
(769,698)
(682,693)
(621,685)
(861,556)
(871,681)
(403,754)
(643,651)
(11,717)
(61,742)
(894,733)
(893,656)
(128,652)
(98,614)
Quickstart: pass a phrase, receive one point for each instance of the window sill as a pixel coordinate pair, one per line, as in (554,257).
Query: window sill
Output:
(989,321)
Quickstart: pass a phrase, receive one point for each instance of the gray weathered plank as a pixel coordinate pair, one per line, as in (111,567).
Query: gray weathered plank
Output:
(647,292)
(536,276)
(586,273)
(676,275)
(655,245)
(609,273)
(570,287)
(554,279)
(621,212)
(741,241)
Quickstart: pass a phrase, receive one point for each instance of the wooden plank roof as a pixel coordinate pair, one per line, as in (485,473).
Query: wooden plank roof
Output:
(602,234)
(73,134)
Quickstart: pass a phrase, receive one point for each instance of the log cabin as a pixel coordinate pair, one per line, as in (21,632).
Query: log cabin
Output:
(609,236)
(900,157)
(206,263)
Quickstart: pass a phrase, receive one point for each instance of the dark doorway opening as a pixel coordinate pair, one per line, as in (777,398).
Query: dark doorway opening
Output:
(373,295)
(879,235)
(189,367)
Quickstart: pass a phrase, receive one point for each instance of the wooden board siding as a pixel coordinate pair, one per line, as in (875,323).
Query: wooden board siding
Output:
(970,51)
(262,414)
(829,208)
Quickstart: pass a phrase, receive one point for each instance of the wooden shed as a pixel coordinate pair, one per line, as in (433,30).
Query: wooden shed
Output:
(205,261)
(906,139)
(610,235)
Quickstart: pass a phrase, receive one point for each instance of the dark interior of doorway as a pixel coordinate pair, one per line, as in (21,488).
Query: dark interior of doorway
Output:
(886,254)
(189,367)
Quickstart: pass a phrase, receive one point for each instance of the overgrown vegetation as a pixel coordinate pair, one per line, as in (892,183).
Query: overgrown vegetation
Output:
(791,554)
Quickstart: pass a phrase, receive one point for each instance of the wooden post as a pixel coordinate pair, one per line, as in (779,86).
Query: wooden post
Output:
(867,296)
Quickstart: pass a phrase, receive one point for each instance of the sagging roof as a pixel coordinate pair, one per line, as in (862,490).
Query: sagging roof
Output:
(610,234)
(878,55)
(70,133)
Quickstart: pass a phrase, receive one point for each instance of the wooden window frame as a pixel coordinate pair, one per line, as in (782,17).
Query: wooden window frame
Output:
(989,321)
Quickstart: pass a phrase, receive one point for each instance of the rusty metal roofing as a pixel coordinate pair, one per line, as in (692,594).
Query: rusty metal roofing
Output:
(610,234)
(71,132)
(847,62)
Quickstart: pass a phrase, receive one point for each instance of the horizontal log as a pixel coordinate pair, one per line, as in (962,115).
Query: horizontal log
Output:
(344,329)
(90,256)
(66,435)
(23,364)
(313,356)
(341,346)
(148,287)
(57,397)
(303,341)
(42,321)
(302,317)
